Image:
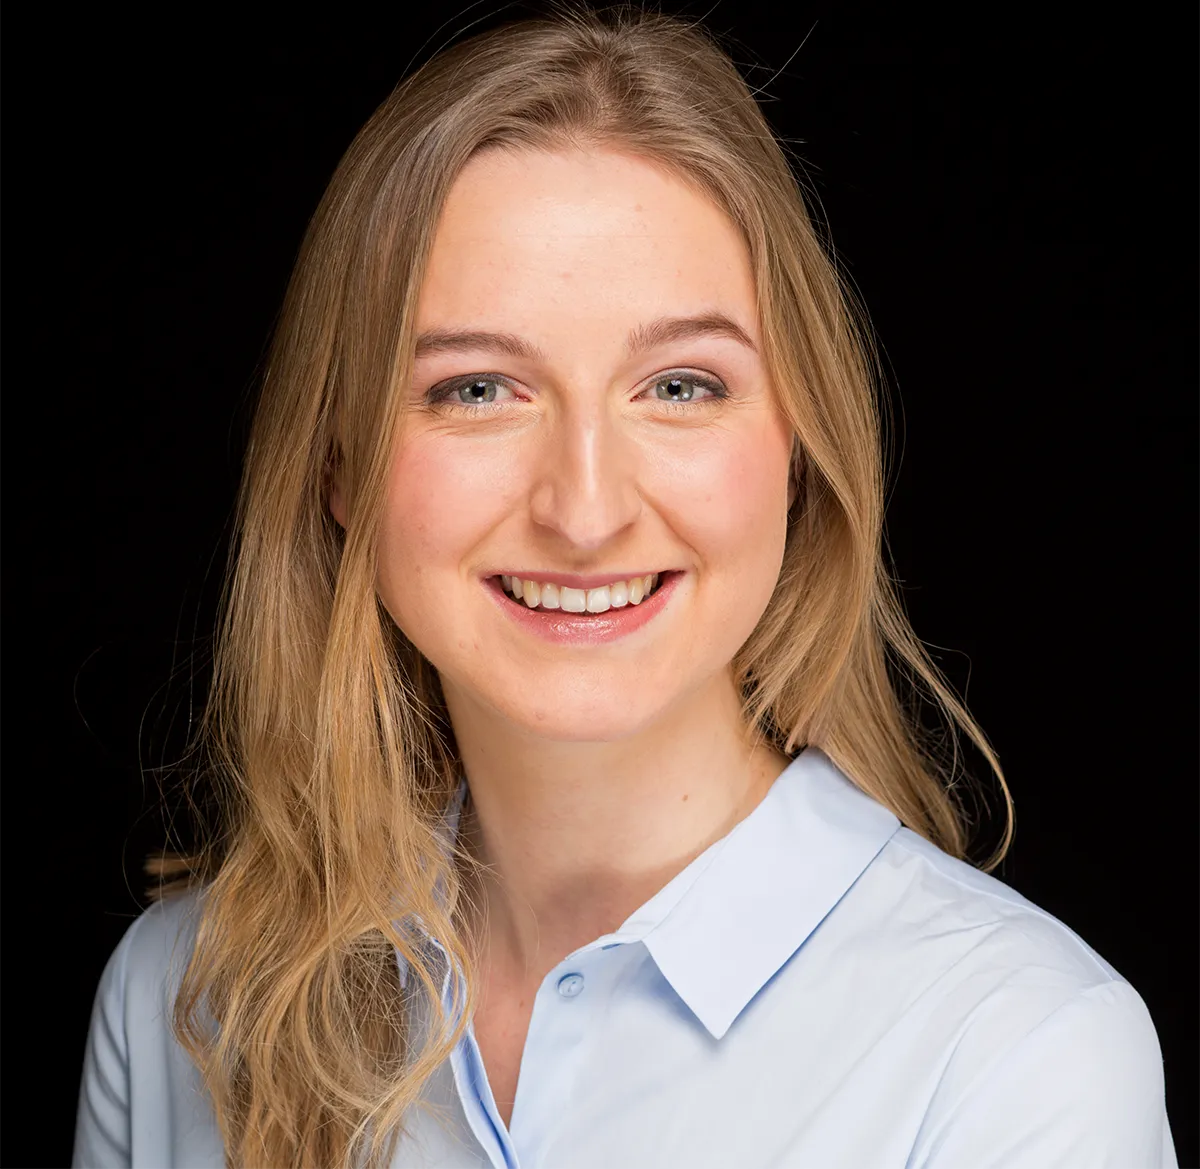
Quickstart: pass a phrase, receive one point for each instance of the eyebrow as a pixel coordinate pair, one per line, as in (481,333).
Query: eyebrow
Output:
(668,329)
(659,332)
(455,341)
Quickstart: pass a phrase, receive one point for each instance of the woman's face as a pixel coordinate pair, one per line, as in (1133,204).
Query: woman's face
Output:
(589,408)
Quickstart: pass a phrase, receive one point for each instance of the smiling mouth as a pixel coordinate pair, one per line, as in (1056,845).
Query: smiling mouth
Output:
(545,595)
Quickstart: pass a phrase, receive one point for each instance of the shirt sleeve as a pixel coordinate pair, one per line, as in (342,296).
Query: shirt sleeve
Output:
(102,1125)
(1082,1089)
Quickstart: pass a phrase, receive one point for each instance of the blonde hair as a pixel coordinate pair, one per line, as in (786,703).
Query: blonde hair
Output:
(326,734)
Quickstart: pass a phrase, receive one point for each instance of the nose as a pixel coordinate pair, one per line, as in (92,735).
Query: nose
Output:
(585,487)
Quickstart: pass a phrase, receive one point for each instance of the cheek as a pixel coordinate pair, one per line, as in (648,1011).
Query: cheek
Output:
(439,505)
(727,497)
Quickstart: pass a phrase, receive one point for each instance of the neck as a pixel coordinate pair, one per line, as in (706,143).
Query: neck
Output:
(577,835)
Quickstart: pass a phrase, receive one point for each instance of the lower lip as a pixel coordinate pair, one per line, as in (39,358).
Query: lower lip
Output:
(585,628)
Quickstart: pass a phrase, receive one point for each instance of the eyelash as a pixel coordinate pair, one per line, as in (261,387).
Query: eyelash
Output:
(439,395)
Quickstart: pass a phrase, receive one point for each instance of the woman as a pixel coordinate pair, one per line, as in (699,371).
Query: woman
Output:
(570,817)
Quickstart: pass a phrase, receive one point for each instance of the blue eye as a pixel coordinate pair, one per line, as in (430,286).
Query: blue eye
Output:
(477,392)
(483,390)
(684,387)
(468,392)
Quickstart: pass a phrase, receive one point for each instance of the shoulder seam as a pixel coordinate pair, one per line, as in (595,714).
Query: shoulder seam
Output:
(1106,970)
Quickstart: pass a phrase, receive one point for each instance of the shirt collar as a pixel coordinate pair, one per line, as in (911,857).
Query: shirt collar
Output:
(721,928)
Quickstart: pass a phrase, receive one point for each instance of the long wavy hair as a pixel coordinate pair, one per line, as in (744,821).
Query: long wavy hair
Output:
(328,749)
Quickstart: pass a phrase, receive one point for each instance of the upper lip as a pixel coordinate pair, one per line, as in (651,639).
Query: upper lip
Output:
(575,580)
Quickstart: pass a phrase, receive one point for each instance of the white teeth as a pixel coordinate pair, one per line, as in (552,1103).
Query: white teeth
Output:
(617,595)
(572,600)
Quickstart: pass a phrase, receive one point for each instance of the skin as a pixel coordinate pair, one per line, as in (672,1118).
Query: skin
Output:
(596,773)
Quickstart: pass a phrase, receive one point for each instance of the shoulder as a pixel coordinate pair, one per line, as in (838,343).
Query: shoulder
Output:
(1049,1055)
(148,963)
(961,936)
(137,1083)
(983,920)
(1083,1085)
(977,962)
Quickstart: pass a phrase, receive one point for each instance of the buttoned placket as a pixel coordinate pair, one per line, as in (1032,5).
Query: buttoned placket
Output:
(567,1010)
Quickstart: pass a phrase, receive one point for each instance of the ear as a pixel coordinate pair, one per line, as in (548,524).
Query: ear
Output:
(337,501)
(334,491)
(795,471)
(334,483)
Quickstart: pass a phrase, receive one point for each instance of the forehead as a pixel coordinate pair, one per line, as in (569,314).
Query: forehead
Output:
(589,235)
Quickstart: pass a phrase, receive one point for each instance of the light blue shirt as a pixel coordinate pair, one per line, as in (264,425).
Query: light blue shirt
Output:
(820,988)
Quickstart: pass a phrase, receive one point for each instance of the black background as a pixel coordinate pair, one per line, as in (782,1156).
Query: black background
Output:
(1013,197)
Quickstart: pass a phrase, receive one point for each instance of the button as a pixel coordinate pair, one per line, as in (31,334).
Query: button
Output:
(570,985)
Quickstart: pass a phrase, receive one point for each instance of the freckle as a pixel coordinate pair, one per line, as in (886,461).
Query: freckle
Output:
(685,799)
